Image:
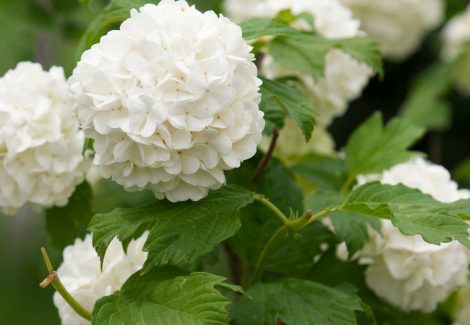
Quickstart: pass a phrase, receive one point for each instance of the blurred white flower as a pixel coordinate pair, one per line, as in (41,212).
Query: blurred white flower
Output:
(456,34)
(40,142)
(404,270)
(462,306)
(398,25)
(171,100)
(81,275)
(344,77)
(291,143)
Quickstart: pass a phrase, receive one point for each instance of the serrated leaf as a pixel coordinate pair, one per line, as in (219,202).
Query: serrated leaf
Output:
(257,27)
(179,233)
(279,100)
(307,54)
(165,297)
(412,212)
(114,13)
(64,224)
(373,148)
(296,302)
(425,105)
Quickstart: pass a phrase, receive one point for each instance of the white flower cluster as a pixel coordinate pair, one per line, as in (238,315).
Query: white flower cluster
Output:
(171,100)
(40,142)
(344,77)
(456,34)
(81,275)
(398,25)
(405,270)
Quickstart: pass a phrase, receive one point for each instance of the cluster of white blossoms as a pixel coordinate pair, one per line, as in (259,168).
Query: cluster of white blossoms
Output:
(40,141)
(456,34)
(171,100)
(86,281)
(398,25)
(344,77)
(405,270)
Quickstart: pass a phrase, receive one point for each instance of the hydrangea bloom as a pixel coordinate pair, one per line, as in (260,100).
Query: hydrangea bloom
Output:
(171,100)
(344,77)
(398,25)
(83,278)
(40,142)
(456,34)
(405,270)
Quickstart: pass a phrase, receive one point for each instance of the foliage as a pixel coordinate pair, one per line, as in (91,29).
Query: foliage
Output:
(274,226)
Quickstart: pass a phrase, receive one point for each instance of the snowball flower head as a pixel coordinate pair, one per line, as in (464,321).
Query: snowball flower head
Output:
(455,35)
(82,276)
(344,77)
(171,100)
(398,25)
(40,142)
(404,270)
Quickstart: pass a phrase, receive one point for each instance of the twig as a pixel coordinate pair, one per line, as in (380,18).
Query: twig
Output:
(267,156)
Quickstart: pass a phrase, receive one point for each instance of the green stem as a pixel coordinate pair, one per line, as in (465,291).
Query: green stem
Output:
(268,248)
(273,208)
(347,184)
(59,287)
(291,226)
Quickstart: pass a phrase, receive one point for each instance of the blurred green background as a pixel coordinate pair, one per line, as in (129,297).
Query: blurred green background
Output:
(48,31)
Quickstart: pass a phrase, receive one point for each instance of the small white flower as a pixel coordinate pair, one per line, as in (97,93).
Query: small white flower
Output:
(344,77)
(398,25)
(405,270)
(81,275)
(171,100)
(40,142)
(455,35)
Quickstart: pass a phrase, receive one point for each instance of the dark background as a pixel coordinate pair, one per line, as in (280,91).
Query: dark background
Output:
(47,31)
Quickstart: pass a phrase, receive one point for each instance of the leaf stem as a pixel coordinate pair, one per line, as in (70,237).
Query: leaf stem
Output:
(59,287)
(273,208)
(268,248)
(347,184)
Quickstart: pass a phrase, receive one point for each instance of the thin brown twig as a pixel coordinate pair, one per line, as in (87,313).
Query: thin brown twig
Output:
(267,156)
(51,277)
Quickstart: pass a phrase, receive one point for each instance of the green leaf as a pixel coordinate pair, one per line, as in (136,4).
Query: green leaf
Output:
(179,233)
(373,148)
(327,173)
(255,28)
(307,55)
(296,302)
(277,183)
(349,227)
(165,297)
(64,224)
(114,13)
(279,100)
(412,212)
(425,105)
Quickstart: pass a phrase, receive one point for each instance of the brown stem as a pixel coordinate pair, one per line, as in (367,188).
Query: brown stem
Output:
(234,264)
(267,156)
(435,147)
